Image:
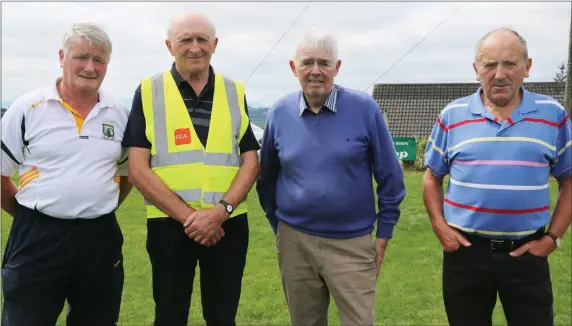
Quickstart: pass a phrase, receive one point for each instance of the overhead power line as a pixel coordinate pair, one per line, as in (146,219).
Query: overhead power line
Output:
(272,49)
(413,48)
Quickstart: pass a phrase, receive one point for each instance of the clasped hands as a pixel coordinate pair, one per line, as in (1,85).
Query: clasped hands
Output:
(205,226)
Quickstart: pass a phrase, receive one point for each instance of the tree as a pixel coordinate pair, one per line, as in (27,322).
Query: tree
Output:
(568,87)
(561,76)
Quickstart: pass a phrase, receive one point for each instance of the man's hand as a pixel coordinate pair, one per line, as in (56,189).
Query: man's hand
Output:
(542,248)
(450,238)
(380,246)
(204,226)
(8,194)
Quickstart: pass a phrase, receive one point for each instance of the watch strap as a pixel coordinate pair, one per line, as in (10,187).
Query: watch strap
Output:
(553,236)
(227,206)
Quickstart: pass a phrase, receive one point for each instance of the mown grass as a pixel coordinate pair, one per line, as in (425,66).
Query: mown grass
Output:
(408,289)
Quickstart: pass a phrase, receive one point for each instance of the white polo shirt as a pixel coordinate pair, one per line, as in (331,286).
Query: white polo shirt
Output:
(69,167)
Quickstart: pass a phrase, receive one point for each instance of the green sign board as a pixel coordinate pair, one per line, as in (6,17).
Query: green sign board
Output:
(405,148)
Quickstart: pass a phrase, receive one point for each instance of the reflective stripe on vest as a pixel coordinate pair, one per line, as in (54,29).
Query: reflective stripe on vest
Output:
(164,158)
(191,195)
(195,156)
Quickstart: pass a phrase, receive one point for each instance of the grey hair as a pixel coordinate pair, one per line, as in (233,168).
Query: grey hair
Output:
(316,38)
(189,15)
(503,29)
(92,32)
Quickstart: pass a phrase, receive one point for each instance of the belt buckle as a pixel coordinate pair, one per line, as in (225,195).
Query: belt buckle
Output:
(513,245)
(495,244)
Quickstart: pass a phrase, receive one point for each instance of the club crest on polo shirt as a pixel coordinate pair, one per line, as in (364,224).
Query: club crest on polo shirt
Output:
(108,131)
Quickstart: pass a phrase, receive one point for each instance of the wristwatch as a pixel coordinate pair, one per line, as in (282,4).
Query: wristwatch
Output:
(227,206)
(554,237)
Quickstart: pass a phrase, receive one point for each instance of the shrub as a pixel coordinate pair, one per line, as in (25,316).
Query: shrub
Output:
(408,165)
(420,159)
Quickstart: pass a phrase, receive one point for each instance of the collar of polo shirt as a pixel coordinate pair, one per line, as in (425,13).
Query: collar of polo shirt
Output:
(526,105)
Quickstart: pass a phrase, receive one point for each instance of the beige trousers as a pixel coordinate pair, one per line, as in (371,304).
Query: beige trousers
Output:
(314,267)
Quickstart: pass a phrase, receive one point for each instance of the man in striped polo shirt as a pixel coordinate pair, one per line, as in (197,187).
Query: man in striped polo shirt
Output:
(500,145)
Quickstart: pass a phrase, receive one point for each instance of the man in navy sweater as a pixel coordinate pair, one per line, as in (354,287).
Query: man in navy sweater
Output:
(320,148)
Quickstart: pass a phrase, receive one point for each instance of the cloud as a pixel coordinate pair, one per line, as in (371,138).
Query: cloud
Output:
(372,37)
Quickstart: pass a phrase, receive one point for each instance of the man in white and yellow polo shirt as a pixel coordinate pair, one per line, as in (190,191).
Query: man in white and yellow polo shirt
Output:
(65,243)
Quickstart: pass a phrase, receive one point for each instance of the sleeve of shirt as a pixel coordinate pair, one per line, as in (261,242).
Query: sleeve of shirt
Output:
(12,147)
(436,157)
(248,141)
(387,173)
(563,166)
(135,130)
(269,171)
(123,164)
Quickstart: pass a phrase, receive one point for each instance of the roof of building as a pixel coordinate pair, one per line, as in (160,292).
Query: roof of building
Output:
(411,109)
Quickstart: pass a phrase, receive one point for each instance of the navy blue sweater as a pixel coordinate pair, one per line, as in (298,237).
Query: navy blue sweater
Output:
(316,170)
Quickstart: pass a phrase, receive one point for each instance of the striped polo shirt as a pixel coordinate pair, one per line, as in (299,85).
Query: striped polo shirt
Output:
(500,171)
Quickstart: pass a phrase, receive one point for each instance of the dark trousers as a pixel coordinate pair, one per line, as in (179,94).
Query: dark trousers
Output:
(48,260)
(472,277)
(174,257)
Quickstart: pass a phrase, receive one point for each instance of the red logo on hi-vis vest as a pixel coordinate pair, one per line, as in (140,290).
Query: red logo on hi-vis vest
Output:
(182,136)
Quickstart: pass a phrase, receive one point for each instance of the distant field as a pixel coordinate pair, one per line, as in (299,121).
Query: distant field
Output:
(408,290)
(260,123)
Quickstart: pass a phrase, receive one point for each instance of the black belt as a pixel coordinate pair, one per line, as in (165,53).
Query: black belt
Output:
(504,245)
(36,214)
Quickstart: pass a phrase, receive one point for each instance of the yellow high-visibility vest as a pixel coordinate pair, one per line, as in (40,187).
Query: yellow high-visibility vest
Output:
(199,176)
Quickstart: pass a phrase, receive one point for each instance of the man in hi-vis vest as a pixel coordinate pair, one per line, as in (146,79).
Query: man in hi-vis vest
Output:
(193,156)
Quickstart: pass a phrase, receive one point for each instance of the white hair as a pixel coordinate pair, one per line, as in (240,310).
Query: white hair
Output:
(190,16)
(502,29)
(92,32)
(316,38)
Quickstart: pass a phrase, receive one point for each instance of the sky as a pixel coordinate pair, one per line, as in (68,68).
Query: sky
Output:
(371,36)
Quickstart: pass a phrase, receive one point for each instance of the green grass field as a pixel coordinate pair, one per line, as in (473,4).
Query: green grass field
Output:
(408,289)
